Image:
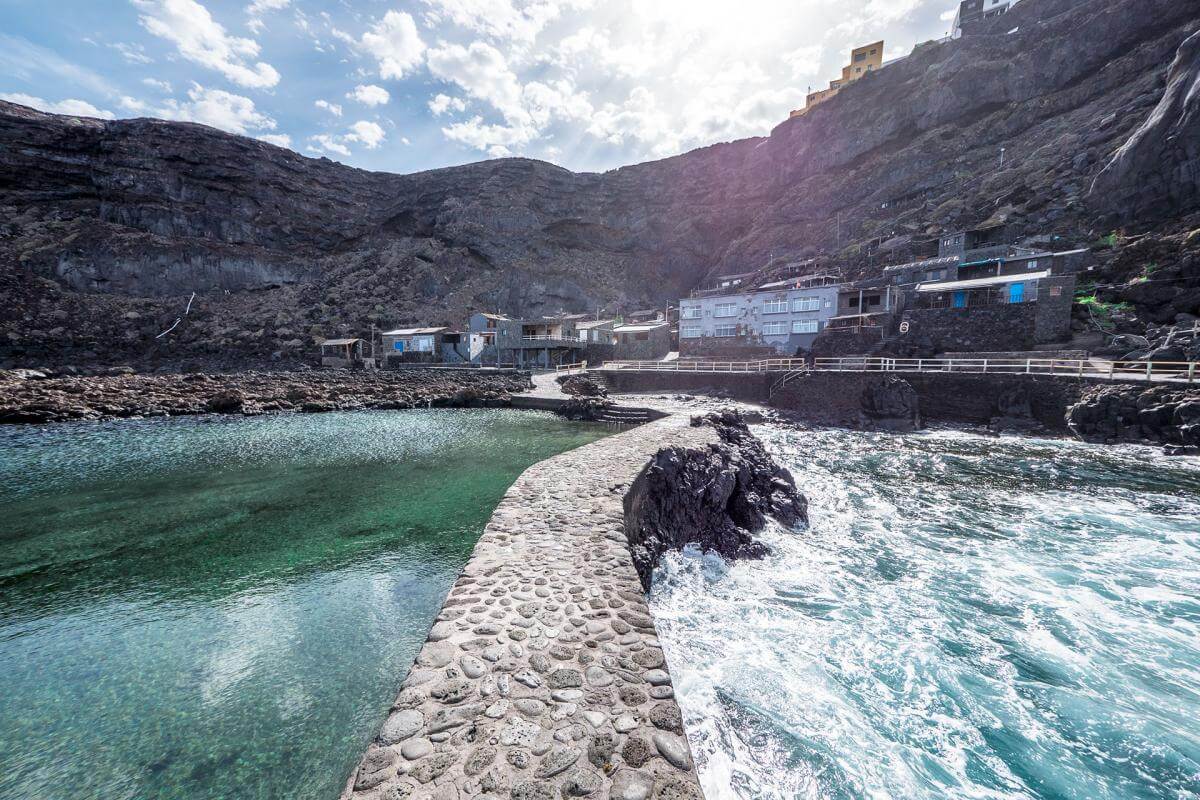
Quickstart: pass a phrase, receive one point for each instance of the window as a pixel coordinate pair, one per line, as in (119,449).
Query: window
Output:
(872,300)
(1032,264)
(775,307)
(806,304)
(642,336)
(774,328)
(690,312)
(690,332)
(861,56)
(725,330)
(804,326)
(725,310)
(853,302)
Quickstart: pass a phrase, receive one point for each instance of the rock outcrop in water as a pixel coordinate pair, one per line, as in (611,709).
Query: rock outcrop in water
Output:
(37,399)
(106,227)
(1161,414)
(716,499)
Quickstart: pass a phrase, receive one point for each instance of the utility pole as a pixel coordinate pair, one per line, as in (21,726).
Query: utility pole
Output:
(839,229)
(1001,158)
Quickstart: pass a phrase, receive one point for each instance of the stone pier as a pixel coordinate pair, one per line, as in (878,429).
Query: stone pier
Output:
(542,677)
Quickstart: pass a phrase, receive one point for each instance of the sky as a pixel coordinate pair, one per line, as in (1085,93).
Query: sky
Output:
(408,85)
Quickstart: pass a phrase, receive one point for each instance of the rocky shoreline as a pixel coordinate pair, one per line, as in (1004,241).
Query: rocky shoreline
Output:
(31,397)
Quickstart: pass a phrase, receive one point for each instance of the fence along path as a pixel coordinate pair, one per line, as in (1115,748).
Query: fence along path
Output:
(1149,371)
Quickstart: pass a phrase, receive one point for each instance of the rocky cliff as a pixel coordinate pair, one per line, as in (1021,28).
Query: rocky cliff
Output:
(108,227)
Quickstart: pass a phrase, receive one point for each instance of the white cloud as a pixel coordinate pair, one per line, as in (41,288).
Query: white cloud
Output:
(277,139)
(326,143)
(805,62)
(481,71)
(201,39)
(443,103)
(133,53)
(395,44)
(369,95)
(332,108)
(154,83)
(259,8)
(132,104)
(74,108)
(220,109)
(370,134)
(517,21)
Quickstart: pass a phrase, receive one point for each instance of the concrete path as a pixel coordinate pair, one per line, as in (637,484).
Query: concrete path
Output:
(543,677)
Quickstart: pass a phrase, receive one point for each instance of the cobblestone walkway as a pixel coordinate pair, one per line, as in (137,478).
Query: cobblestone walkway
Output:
(542,677)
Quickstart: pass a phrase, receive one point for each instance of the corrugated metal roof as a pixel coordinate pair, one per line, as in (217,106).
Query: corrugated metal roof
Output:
(596,323)
(978,283)
(926,262)
(337,342)
(412,331)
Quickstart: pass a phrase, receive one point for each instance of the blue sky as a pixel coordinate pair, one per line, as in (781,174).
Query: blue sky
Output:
(406,86)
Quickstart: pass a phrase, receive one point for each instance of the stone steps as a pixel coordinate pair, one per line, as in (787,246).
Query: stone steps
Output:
(624,416)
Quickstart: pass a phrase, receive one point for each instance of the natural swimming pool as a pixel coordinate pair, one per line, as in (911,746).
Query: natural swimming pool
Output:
(223,607)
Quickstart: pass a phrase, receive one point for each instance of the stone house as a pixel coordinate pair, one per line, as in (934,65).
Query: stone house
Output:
(412,345)
(645,342)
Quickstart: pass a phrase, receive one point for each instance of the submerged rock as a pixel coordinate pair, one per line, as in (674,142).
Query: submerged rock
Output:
(716,498)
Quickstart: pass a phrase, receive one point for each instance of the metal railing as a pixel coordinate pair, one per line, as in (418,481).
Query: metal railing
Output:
(1181,371)
(571,339)
(761,365)
(569,368)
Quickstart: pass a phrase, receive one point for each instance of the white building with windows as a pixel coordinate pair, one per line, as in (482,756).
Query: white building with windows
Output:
(784,315)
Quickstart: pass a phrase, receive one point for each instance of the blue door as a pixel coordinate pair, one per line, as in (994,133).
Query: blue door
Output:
(1016,293)
(960,299)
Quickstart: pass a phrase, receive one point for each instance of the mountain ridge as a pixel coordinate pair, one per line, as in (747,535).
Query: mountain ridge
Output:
(110,225)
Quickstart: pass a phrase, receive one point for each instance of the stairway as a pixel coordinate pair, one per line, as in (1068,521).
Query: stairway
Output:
(622,415)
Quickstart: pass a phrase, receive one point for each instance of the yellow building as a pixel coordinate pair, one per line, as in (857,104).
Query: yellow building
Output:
(867,58)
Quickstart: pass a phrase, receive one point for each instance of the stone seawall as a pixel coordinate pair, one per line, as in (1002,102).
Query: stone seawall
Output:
(833,398)
(542,677)
(750,387)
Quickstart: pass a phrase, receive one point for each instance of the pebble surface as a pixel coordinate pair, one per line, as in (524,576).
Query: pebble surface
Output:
(542,676)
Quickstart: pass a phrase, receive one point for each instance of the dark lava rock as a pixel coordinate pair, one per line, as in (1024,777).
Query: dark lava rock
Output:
(890,404)
(1159,166)
(225,402)
(716,498)
(581,386)
(1123,413)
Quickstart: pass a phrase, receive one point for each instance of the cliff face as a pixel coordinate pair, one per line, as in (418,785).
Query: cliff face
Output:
(106,228)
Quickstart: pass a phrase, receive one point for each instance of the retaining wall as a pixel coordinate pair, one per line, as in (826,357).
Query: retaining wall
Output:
(750,387)
(542,677)
(832,398)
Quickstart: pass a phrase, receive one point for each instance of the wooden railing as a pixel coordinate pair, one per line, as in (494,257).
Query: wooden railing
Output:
(1183,371)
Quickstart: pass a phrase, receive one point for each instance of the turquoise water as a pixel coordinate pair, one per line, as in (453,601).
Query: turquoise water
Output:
(222,607)
(967,618)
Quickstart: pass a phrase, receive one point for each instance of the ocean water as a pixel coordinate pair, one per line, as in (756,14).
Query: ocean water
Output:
(224,607)
(968,617)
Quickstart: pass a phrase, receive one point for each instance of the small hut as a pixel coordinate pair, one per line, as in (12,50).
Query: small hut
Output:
(342,353)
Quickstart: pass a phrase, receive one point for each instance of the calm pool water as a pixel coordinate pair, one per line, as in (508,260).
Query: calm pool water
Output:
(967,618)
(221,608)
